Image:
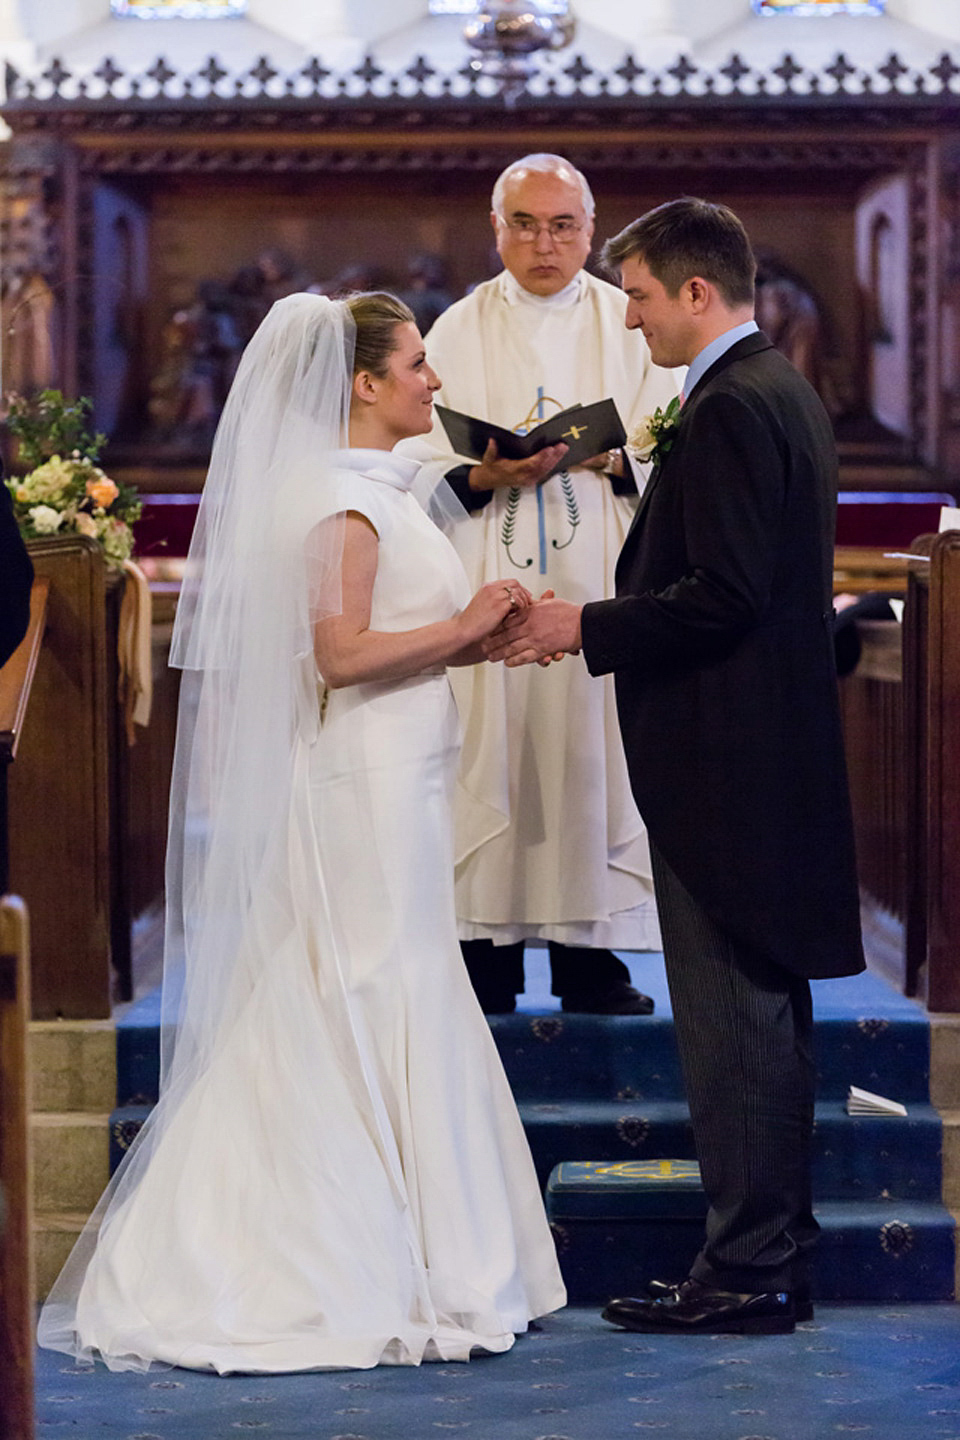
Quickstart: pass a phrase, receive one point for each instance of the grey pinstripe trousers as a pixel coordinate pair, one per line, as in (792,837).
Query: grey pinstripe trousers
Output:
(744,1028)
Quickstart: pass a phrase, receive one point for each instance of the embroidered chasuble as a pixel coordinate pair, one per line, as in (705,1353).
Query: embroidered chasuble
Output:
(549,841)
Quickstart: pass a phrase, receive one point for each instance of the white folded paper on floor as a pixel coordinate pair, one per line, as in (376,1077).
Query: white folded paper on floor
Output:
(864,1102)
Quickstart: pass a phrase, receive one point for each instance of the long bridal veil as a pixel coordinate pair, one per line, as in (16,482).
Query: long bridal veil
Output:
(264,563)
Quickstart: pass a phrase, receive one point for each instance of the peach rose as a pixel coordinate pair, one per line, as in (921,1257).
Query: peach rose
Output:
(102,492)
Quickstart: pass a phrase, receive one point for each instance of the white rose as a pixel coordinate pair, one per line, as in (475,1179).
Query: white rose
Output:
(642,441)
(45,520)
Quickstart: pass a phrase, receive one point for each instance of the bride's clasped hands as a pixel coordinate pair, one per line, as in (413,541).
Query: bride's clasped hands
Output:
(543,631)
(489,610)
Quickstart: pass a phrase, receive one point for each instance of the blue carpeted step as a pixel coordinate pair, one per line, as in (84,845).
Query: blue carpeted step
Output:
(596,1086)
(619,1226)
(866,1035)
(859,1158)
(581,1057)
(862,1157)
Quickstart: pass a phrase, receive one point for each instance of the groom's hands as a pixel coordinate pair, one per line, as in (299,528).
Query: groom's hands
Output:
(546,630)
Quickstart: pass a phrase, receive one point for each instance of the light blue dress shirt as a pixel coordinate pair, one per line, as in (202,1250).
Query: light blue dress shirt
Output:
(705,358)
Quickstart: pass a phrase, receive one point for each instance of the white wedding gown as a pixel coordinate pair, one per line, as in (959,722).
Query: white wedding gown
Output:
(348,1183)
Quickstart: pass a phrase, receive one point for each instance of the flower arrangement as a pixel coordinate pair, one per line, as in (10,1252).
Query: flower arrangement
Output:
(65,489)
(652,438)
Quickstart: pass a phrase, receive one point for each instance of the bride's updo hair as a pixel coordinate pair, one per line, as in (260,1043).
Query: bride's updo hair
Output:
(376,316)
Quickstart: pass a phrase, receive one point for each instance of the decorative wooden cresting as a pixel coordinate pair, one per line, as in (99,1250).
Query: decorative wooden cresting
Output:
(719,127)
(843,78)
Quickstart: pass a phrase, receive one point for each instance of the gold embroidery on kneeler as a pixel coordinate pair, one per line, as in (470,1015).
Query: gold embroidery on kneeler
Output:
(652,1171)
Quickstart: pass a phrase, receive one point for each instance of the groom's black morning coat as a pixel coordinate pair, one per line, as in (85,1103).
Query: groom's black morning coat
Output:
(721,645)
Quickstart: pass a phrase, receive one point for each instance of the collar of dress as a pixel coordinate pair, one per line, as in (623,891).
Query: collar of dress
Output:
(382,465)
(514,293)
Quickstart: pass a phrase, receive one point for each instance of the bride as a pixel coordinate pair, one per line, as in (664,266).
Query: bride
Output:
(335,1174)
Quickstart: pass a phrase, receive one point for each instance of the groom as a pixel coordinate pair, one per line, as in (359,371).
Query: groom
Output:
(719,639)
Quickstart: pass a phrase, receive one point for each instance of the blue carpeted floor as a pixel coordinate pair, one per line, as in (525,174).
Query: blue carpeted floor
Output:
(867,993)
(886,1372)
(880,1373)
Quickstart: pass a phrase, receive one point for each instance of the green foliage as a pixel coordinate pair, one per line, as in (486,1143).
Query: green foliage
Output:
(48,424)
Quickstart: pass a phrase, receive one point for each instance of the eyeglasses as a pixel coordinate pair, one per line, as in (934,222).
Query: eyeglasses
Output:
(526,231)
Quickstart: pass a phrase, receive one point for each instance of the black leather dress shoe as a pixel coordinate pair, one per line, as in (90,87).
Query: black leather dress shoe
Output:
(695,1309)
(620,999)
(802,1304)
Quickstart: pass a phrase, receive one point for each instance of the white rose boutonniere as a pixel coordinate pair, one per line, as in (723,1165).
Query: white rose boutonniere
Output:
(652,438)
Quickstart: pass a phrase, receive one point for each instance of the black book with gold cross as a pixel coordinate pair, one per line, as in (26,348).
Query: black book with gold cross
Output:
(587,429)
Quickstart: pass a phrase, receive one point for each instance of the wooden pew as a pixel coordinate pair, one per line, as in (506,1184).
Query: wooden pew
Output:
(16,681)
(149,764)
(16,1243)
(871,702)
(16,1233)
(932,734)
(88,814)
(61,796)
(16,1246)
(901,711)
(860,569)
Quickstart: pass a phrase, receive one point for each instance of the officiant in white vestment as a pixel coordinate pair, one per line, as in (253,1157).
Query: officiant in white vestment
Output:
(549,842)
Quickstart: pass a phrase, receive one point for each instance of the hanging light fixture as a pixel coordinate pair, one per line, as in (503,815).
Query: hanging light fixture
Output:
(509,34)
